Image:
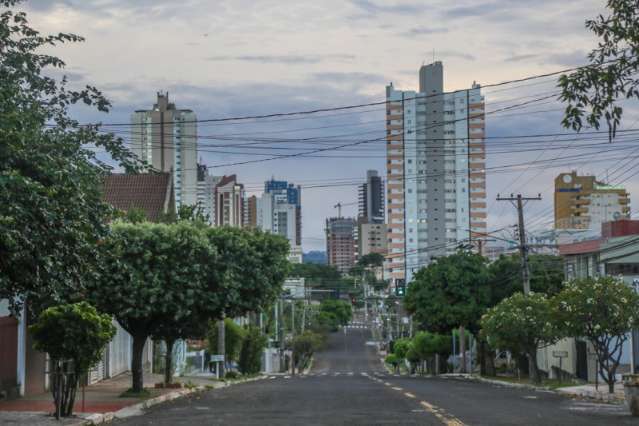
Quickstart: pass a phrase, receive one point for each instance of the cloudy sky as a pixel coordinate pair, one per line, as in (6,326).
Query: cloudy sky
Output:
(231,58)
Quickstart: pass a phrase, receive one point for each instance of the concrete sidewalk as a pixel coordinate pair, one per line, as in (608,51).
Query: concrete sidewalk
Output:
(99,399)
(589,391)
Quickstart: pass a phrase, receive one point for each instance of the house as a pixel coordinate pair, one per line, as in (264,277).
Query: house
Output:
(151,193)
(614,253)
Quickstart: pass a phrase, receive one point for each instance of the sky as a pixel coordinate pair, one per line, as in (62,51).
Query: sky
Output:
(234,58)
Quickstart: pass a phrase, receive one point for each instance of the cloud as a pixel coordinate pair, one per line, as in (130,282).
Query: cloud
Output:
(349,77)
(454,54)
(419,31)
(521,58)
(569,59)
(372,8)
(282,59)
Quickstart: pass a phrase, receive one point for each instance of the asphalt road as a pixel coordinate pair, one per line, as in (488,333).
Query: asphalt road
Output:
(348,386)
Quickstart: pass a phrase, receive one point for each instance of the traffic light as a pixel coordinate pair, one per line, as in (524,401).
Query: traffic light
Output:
(400,288)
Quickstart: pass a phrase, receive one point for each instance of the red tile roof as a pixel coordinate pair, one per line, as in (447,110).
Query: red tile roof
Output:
(150,192)
(580,247)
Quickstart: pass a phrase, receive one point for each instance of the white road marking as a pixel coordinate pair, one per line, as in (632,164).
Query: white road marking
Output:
(408,394)
(397,388)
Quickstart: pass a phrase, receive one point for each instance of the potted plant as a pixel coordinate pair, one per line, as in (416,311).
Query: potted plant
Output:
(631,391)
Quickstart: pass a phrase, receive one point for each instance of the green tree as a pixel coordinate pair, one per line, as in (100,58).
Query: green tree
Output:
(603,310)
(340,309)
(74,337)
(233,337)
(251,352)
(427,345)
(522,324)
(51,212)
(453,291)
(156,276)
(304,346)
(394,361)
(593,94)
(546,276)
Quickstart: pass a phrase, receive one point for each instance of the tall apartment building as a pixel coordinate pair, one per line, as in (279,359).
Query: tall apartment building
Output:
(206,192)
(250,212)
(436,179)
(341,243)
(582,202)
(166,138)
(371,198)
(279,210)
(229,202)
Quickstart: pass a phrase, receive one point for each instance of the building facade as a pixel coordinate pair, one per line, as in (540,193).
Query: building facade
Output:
(229,202)
(206,192)
(436,179)
(371,238)
(341,243)
(371,198)
(166,138)
(582,202)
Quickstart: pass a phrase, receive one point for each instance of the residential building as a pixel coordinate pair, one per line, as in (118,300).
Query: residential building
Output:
(279,210)
(206,192)
(250,212)
(371,238)
(582,202)
(371,198)
(613,253)
(166,138)
(229,202)
(151,193)
(341,243)
(436,179)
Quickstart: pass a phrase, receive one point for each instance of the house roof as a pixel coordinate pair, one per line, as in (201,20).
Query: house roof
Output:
(580,247)
(150,192)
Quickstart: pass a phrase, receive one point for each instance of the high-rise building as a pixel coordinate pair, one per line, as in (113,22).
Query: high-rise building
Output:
(341,243)
(371,238)
(206,192)
(280,210)
(371,198)
(250,212)
(582,202)
(229,202)
(436,179)
(166,138)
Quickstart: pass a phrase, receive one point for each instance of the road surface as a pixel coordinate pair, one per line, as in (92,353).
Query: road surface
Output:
(348,386)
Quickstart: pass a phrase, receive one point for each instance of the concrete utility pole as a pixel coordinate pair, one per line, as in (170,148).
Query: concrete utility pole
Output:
(221,345)
(523,247)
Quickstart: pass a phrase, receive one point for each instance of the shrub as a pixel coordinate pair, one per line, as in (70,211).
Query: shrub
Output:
(251,353)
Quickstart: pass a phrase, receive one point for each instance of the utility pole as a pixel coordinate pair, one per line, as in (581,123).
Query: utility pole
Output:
(221,346)
(523,247)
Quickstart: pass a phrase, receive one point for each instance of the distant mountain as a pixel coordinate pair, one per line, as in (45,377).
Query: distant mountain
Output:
(314,256)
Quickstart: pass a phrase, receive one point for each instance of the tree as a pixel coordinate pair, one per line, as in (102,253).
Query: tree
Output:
(233,337)
(304,345)
(340,309)
(51,212)
(74,337)
(251,353)
(593,93)
(426,345)
(371,259)
(450,292)
(546,276)
(156,276)
(522,323)
(401,348)
(394,361)
(603,310)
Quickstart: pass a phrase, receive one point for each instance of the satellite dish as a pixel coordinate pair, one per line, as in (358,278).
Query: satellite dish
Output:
(616,215)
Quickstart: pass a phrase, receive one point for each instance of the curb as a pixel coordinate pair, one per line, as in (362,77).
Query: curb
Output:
(598,396)
(138,409)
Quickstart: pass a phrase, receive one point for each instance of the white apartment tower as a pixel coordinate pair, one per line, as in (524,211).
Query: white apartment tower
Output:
(166,138)
(436,179)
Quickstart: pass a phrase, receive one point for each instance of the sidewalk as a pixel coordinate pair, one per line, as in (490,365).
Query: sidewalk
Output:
(589,391)
(102,397)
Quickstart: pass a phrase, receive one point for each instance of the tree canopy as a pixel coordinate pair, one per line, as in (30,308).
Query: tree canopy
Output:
(51,212)
(452,291)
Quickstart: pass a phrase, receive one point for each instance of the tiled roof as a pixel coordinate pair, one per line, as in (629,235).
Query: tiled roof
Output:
(150,192)
(581,247)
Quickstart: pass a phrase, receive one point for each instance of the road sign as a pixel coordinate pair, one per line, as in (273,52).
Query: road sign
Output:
(560,354)
(217,358)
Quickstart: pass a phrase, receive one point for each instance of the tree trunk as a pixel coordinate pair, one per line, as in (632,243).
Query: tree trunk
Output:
(168,362)
(221,346)
(481,357)
(491,371)
(462,348)
(137,373)
(532,367)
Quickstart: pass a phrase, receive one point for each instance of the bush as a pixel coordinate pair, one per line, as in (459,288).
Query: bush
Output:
(251,353)
(393,361)
(233,336)
(74,336)
(304,346)
(232,375)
